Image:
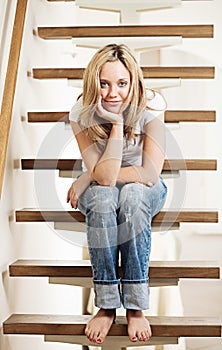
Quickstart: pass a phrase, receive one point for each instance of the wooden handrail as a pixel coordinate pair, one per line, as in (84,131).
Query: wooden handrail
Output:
(10,84)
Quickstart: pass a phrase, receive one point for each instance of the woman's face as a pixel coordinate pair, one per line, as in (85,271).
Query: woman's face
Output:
(115,85)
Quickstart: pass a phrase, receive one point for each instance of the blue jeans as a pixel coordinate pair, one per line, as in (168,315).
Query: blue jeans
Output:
(119,228)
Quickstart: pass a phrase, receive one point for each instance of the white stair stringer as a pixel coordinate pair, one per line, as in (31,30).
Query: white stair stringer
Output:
(134,43)
(87,282)
(131,12)
(111,342)
(119,5)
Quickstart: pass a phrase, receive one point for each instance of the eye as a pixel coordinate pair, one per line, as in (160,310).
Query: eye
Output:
(103,84)
(123,83)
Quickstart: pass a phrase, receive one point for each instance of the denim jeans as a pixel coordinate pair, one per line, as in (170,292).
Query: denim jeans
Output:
(119,232)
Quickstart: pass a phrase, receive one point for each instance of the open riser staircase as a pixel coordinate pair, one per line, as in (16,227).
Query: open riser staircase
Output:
(70,329)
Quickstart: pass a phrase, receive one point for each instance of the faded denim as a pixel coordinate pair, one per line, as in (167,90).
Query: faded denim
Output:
(119,232)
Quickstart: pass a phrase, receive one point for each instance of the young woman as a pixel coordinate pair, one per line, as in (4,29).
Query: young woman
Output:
(118,127)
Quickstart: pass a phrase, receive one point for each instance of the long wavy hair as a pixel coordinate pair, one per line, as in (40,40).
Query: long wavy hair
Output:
(136,102)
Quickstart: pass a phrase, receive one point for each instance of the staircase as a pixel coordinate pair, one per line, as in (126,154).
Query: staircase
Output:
(165,329)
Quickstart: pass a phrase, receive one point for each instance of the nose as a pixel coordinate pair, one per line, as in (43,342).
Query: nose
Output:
(113,91)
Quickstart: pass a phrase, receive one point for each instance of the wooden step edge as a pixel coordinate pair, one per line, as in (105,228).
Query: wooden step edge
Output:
(177,116)
(170,116)
(170,165)
(48,117)
(186,31)
(75,325)
(166,217)
(76,268)
(186,72)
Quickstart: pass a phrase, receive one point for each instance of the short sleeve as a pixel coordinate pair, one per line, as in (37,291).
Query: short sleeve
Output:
(74,113)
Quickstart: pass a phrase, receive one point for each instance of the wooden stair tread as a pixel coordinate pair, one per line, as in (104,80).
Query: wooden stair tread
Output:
(76,164)
(186,31)
(75,325)
(170,116)
(82,268)
(188,72)
(163,217)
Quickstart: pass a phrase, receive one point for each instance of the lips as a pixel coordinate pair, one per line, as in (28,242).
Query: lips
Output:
(112,106)
(112,102)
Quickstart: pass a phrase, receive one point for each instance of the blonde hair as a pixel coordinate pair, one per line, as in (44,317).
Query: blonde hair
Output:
(136,102)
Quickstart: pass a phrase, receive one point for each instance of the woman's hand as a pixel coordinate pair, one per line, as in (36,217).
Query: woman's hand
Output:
(113,118)
(77,188)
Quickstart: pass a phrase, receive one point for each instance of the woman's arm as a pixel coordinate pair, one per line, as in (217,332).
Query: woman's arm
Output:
(88,150)
(77,188)
(103,168)
(153,156)
(108,166)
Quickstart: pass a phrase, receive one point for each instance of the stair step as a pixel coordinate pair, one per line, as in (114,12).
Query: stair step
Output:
(75,325)
(170,165)
(82,268)
(171,116)
(164,217)
(148,72)
(186,31)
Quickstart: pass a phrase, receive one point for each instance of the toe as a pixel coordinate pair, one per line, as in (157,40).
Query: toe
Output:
(95,336)
(133,336)
(140,336)
(144,336)
(101,337)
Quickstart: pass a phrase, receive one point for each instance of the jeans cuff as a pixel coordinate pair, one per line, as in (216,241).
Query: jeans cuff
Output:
(135,296)
(107,296)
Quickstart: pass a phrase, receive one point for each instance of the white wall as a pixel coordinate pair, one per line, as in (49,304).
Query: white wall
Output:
(21,189)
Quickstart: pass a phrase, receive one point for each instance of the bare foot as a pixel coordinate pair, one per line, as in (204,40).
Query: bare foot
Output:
(98,327)
(138,326)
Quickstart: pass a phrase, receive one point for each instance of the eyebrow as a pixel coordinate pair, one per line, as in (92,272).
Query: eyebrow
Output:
(123,78)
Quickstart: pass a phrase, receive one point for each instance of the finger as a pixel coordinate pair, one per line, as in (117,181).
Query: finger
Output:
(74,201)
(74,204)
(67,197)
(100,110)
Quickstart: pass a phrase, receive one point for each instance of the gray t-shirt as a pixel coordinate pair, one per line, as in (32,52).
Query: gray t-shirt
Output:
(132,150)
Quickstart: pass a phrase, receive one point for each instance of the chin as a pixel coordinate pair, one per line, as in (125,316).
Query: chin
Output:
(112,108)
(115,110)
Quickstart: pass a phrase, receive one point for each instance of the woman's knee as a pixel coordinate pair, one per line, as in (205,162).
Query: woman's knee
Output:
(101,198)
(134,198)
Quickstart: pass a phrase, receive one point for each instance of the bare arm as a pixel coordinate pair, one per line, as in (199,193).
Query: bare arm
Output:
(153,156)
(103,168)
(107,168)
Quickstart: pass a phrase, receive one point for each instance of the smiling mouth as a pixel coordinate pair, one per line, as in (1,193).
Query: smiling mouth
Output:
(112,102)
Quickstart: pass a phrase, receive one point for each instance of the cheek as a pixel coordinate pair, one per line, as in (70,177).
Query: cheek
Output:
(126,93)
(103,93)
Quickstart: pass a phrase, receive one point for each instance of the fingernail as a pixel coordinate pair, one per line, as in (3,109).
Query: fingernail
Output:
(99,340)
